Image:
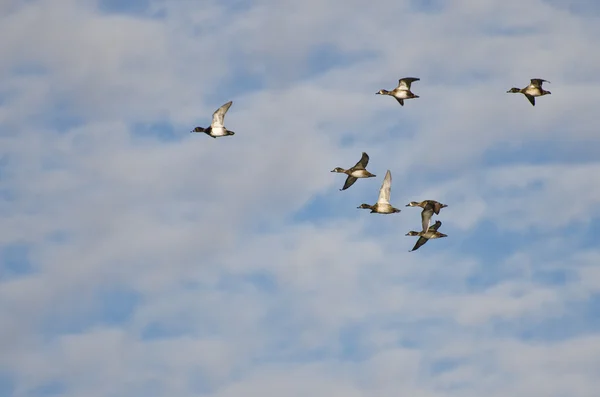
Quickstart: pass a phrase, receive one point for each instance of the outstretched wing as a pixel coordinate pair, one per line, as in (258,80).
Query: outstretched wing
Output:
(362,164)
(404,83)
(386,188)
(530,98)
(218,119)
(538,82)
(349,182)
(422,240)
(435,226)
(426,215)
(400,101)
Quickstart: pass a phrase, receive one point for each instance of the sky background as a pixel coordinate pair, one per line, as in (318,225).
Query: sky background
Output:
(139,260)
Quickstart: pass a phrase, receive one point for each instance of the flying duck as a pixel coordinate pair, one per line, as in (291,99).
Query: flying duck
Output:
(431,233)
(430,207)
(217,127)
(403,91)
(532,90)
(382,206)
(358,171)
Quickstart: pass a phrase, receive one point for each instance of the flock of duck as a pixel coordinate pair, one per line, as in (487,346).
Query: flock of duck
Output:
(401,93)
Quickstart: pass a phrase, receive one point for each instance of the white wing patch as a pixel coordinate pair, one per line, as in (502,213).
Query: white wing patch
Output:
(405,83)
(426,215)
(218,120)
(386,189)
(403,86)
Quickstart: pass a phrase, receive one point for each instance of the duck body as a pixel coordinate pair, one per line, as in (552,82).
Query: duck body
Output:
(360,174)
(379,208)
(214,132)
(429,235)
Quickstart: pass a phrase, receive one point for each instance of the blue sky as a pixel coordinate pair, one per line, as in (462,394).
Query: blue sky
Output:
(137,259)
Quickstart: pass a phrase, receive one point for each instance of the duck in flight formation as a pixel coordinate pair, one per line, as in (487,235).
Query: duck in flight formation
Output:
(430,207)
(534,89)
(217,126)
(358,171)
(402,91)
(383,206)
(424,237)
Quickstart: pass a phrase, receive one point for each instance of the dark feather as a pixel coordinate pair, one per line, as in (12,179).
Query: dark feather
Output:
(362,163)
(349,182)
(531,99)
(422,240)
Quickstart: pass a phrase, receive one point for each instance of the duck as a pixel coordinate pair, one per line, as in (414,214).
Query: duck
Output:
(383,206)
(430,207)
(358,171)
(424,237)
(402,91)
(217,126)
(533,90)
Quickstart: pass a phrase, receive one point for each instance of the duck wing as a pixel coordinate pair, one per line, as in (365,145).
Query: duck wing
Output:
(218,118)
(349,182)
(538,82)
(362,163)
(426,215)
(530,98)
(435,226)
(386,189)
(422,240)
(405,82)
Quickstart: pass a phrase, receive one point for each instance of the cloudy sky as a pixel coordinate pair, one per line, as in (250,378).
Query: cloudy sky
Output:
(139,260)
